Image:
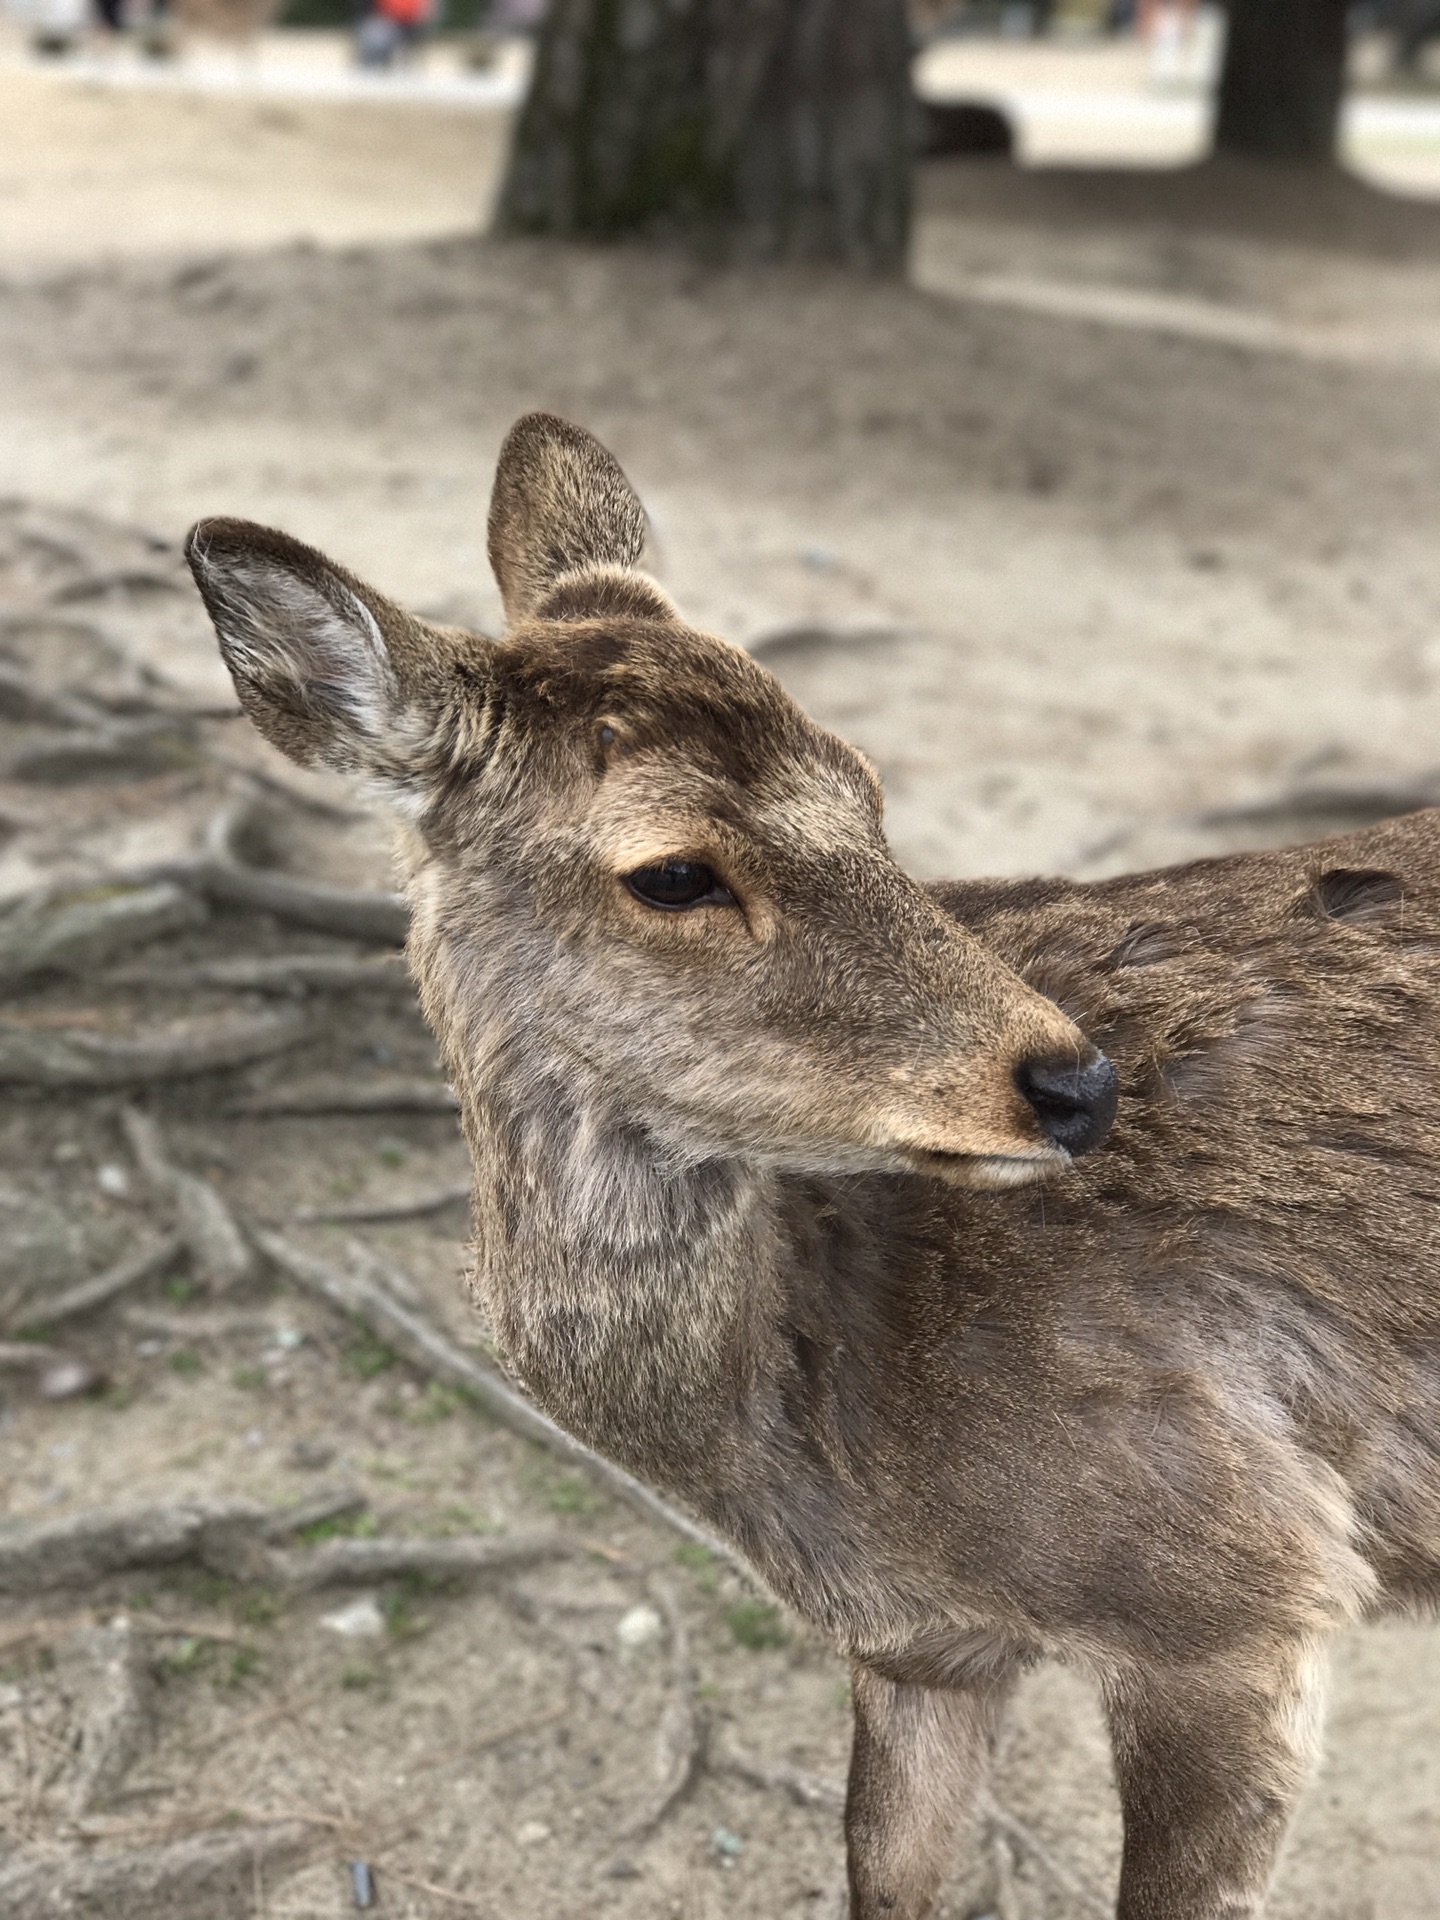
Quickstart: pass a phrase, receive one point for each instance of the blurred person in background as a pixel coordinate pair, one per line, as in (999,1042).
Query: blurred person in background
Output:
(390,31)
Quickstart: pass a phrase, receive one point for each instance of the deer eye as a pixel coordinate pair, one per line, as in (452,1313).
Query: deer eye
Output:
(677,884)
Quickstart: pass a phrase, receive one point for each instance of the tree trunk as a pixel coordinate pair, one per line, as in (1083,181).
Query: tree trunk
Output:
(780,128)
(1283,80)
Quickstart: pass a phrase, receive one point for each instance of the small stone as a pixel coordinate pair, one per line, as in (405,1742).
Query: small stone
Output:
(532,1834)
(361,1620)
(113,1180)
(147,1349)
(640,1627)
(310,1455)
(726,1846)
(254,1437)
(68,1379)
(622,1868)
(289,1338)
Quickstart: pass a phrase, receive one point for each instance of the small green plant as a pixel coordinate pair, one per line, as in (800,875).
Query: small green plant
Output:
(392,1152)
(366,1357)
(186,1657)
(180,1290)
(186,1362)
(701,1562)
(250,1379)
(458,1519)
(437,1403)
(259,1607)
(572,1493)
(756,1624)
(402,1622)
(244,1663)
(359,1676)
(344,1526)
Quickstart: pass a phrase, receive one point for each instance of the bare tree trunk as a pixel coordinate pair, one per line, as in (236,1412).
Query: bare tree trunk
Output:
(781,128)
(1283,80)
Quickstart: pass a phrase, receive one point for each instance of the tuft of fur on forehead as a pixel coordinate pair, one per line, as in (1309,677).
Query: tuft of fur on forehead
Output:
(668,689)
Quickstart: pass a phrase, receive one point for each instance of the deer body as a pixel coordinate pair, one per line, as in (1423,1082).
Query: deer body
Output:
(780,1198)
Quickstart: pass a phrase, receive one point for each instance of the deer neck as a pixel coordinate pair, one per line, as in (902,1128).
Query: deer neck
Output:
(625,1281)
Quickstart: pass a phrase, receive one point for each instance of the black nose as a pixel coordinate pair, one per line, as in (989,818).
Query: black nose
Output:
(1075,1105)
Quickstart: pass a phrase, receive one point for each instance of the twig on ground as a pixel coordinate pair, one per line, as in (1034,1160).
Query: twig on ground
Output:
(339,1093)
(779,1776)
(369,1263)
(193,1326)
(361,1212)
(680,1739)
(38,1056)
(35,1315)
(429,1886)
(432,1353)
(359,1562)
(1028,1844)
(206,1225)
(210,1873)
(327,1503)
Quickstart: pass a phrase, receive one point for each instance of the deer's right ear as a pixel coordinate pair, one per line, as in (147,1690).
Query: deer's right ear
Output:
(562,510)
(328,669)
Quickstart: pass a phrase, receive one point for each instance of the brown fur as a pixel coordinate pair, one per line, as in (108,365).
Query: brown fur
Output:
(1172,1415)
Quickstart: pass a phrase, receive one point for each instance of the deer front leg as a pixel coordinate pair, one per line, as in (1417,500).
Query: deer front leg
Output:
(918,1762)
(1210,1761)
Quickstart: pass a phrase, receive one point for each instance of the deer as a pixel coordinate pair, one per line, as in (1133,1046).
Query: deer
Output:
(1010,1270)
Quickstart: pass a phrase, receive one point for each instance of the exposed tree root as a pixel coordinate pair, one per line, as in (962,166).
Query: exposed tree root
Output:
(38,1556)
(287,973)
(107,1670)
(34,1316)
(69,934)
(217,1247)
(359,1212)
(209,1874)
(680,1738)
(49,1057)
(390,1093)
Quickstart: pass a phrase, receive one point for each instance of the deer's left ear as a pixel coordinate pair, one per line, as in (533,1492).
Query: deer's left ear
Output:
(327,668)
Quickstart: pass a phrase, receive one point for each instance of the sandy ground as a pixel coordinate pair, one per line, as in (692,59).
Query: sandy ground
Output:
(1092,591)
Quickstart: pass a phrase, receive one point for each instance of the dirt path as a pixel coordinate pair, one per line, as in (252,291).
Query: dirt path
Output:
(1079,590)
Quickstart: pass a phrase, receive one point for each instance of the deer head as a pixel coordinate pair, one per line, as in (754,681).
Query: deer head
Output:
(637,868)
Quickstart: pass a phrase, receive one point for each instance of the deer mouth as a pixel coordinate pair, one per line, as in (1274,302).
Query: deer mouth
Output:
(987,1172)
